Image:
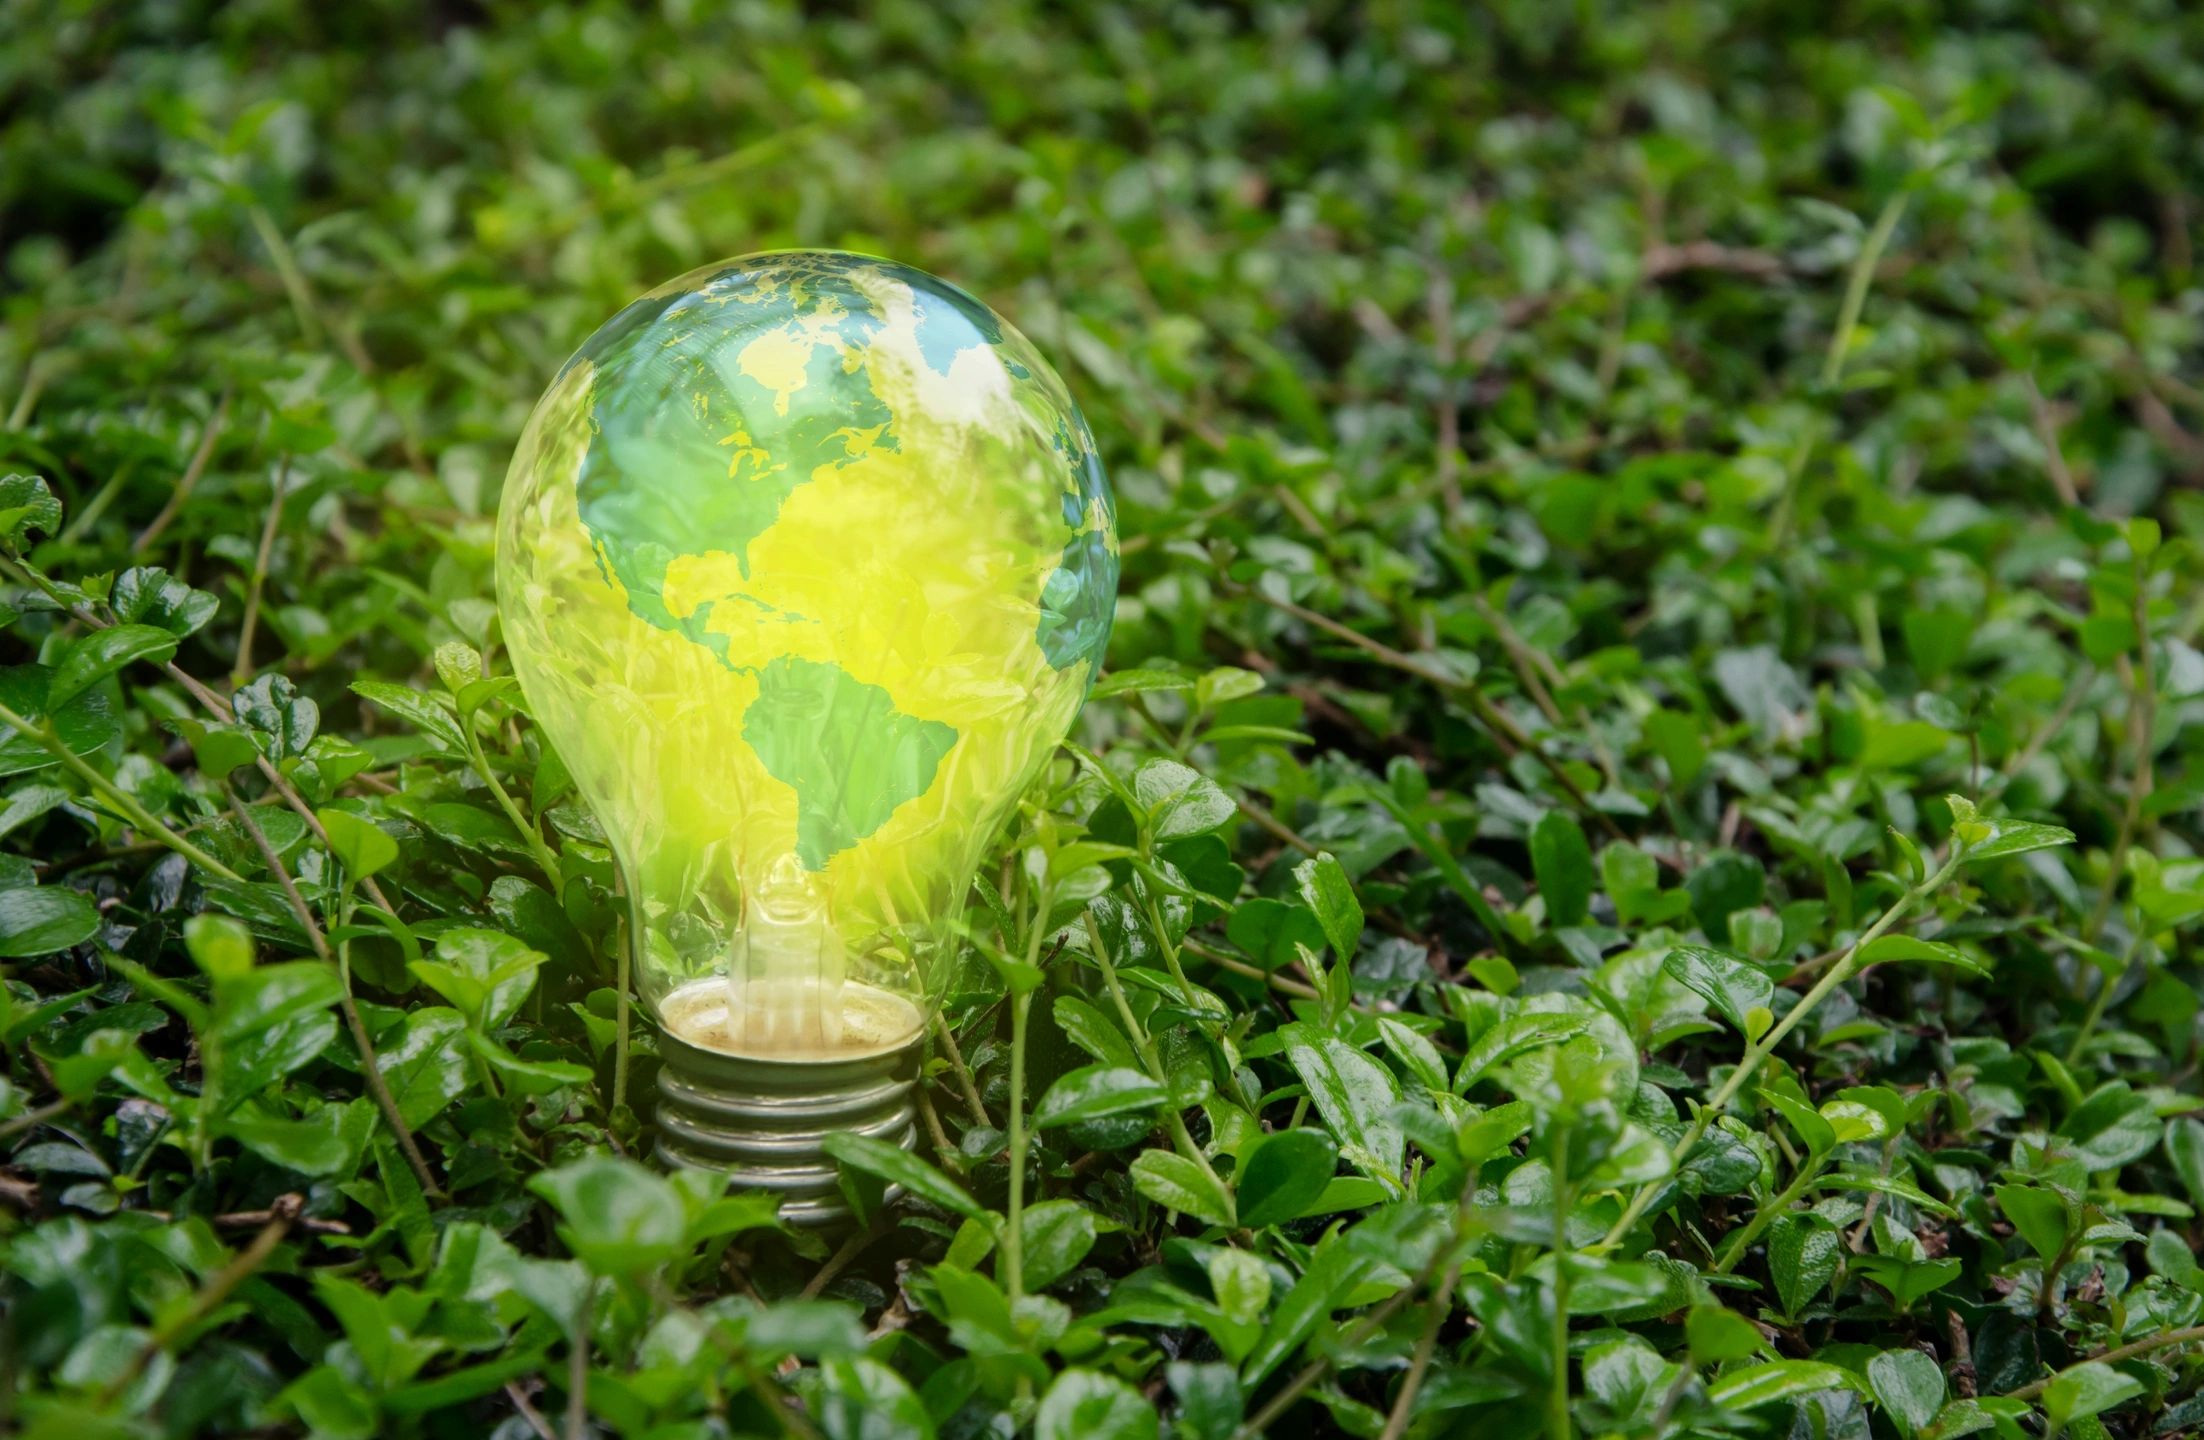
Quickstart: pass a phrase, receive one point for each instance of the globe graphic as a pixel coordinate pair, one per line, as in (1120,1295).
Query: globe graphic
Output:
(805,555)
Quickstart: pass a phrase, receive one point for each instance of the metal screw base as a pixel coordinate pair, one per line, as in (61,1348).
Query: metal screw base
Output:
(766,1121)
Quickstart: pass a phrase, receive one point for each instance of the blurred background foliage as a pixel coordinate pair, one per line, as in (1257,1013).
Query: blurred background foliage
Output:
(1601,475)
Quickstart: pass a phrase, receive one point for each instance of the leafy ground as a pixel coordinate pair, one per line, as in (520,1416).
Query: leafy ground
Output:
(1634,875)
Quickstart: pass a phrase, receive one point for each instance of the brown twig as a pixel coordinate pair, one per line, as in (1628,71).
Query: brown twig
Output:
(529,1412)
(1495,720)
(243,669)
(189,480)
(840,1260)
(1439,300)
(2047,435)
(963,1072)
(210,1295)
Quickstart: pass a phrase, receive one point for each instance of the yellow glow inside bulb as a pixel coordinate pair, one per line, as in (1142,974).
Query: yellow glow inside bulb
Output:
(806,564)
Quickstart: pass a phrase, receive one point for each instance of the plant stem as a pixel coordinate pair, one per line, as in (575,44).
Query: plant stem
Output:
(214,705)
(1489,715)
(2142,725)
(209,1297)
(1557,1402)
(1741,1242)
(189,481)
(1856,285)
(547,862)
(963,1072)
(370,1068)
(1759,1050)
(577,1368)
(1404,1404)
(243,669)
(2161,1341)
(1170,950)
(122,800)
(1149,1056)
(1013,1240)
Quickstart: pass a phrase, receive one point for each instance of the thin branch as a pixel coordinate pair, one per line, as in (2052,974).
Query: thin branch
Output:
(370,1068)
(963,1072)
(243,669)
(1494,719)
(2047,435)
(189,481)
(1855,288)
(125,804)
(840,1261)
(2161,1341)
(210,1295)
(529,1412)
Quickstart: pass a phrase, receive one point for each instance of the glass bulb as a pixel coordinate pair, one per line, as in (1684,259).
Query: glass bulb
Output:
(806,563)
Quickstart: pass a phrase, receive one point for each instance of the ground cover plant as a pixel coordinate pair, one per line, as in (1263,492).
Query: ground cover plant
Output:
(1633,872)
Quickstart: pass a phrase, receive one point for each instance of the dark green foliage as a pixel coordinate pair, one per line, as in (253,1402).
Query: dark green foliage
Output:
(1635,872)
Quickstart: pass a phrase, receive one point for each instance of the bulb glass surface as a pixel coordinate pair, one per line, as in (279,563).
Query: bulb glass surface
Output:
(806,564)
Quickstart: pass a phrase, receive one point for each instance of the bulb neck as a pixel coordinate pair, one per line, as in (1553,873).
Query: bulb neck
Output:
(765,1120)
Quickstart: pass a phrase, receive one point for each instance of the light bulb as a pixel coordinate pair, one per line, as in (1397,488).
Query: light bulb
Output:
(806,564)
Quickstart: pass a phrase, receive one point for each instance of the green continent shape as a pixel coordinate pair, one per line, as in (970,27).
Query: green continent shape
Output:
(690,454)
(843,747)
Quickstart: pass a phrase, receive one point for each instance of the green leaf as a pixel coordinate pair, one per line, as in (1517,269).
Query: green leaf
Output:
(2040,1217)
(1717,1335)
(255,1000)
(361,846)
(1414,1052)
(2184,1141)
(1272,932)
(1138,682)
(1680,741)
(1353,1093)
(83,725)
(1561,859)
(1097,1091)
(102,653)
(1330,896)
(272,706)
(1089,1405)
(1765,1384)
(149,595)
(620,1218)
(1820,1136)
(26,505)
(1093,1032)
(2018,837)
(485,974)
(221,947)
(420,710)
(216,747)
(1054,1237)
(1177,1183)
(898,1166)
(426,1067)
(1887,949)
(316,1146)
(1909,1386)
(2087,1389)
(1180,800)
(41,920)
(1516,1035)
(2113,1127)
(1802,1258)
(1282,1175)
(1732,986)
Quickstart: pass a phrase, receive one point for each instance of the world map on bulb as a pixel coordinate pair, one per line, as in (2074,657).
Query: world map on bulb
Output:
(806,553)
